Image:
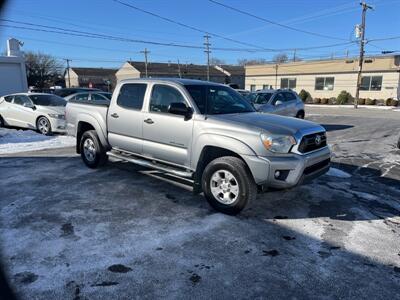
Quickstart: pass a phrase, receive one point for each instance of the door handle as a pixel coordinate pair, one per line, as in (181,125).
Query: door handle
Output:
(114,115)
(149,121)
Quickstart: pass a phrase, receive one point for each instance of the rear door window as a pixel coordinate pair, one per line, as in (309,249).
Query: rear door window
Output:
(279,97)
(131,95)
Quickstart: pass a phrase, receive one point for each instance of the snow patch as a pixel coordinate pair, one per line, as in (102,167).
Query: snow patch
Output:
(337,173)
(15,141)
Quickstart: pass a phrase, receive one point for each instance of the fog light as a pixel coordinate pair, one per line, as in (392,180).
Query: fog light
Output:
(277,174)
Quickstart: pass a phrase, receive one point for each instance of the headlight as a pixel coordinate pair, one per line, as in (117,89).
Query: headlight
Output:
(278,143)
(57,116)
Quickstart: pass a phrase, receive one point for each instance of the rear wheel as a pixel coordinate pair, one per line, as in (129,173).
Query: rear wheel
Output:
(43,126)
(228,185)
(1,122)
(300,114)
(92,152)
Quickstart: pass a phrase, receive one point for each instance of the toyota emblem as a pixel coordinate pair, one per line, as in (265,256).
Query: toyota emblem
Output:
(318,140)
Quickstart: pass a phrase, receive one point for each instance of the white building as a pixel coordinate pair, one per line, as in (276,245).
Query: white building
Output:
(12,70)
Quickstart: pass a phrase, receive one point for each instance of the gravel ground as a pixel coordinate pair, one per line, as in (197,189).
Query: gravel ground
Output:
(123,232)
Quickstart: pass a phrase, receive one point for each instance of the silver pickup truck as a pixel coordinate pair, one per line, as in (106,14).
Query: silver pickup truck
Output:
(203,131)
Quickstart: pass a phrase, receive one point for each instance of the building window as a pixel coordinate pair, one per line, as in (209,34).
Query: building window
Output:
(324,83)
(288,83)
(371,83)
(265,86)
(252,87)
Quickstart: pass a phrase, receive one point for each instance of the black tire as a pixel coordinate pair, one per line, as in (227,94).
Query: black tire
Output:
(43,125)
(300,114)
(1,122)
(90,138)
(246,185)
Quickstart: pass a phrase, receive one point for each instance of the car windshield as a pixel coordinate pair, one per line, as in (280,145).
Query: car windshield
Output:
(262,98)
(219,99)
(47,100)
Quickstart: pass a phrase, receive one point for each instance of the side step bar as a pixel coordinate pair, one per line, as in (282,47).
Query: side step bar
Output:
(149,164)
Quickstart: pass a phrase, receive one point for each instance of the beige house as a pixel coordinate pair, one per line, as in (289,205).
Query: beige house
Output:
(327,78)
(220,74)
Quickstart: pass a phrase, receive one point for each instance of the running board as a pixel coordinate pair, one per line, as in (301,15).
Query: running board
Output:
(148,164)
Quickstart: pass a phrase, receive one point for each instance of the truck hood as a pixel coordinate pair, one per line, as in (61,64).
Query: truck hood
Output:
(271,123)
(51,109)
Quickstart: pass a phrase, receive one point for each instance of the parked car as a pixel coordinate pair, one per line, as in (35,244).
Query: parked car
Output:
(244,93)
(202,131)
(281,102)
(90,96)
(42,112)
(69,91)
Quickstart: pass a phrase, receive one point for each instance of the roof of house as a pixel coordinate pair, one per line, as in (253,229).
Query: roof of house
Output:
(172,69)
(101,72)
(233,70)
(349,65)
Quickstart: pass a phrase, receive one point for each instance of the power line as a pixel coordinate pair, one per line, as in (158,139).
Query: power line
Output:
(70,32)
(275,23)
(189,26)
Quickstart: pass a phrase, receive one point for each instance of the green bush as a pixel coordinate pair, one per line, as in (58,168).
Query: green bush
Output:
(304,95)
(316,100)
(369,101)
(332,100)
(361,101)
(391,102)
(324,101)
(380,102)
(344,98)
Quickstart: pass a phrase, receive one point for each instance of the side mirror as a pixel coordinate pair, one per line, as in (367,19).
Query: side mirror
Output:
(278,102)
(179,108)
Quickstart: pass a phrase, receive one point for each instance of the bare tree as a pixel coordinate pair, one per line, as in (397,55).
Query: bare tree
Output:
(217,61)
(280,58)
(42,70)
(255,61)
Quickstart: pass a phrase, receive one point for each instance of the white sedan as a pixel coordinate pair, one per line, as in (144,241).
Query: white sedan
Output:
(42,112)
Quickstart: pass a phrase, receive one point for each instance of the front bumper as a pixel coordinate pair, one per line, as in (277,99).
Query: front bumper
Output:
(58,125)
(294,169)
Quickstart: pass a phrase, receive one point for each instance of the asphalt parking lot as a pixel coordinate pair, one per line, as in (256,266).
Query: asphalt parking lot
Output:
(123,232)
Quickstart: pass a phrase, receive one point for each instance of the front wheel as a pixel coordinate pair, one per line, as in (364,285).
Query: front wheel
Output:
(1,122)
(92,152)
(228,185)
(43,126)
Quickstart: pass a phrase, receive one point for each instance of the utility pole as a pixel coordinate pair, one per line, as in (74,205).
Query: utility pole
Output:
(207,51)
(69,78)
(294,55)
(179,69)
(276,76)
(365,7)
(145,52)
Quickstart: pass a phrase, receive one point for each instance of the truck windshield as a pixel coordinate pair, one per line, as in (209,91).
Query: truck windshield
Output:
(47,100)
(219,99)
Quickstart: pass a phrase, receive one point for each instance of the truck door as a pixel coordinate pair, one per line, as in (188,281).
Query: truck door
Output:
(166,136)
(125,118)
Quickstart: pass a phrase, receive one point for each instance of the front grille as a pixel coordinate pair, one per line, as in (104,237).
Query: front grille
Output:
(317,166)
(309,142)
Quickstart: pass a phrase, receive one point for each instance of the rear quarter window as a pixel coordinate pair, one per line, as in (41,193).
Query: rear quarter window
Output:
(131,95)
(8,98)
